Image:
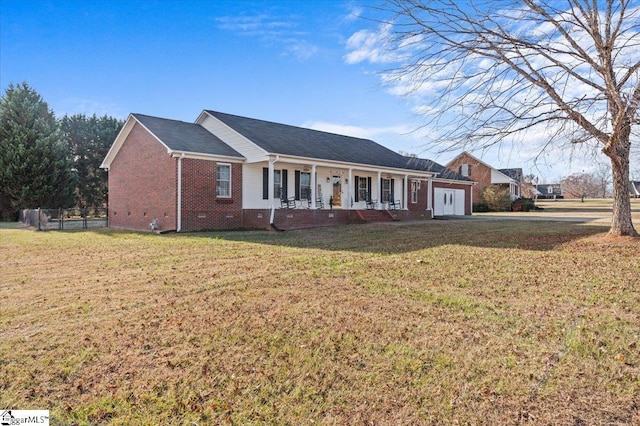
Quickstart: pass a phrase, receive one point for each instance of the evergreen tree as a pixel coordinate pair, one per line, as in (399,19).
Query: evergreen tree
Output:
(88,140)
(35,170)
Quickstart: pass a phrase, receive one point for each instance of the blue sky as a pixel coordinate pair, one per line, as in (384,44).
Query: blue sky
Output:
(292,62)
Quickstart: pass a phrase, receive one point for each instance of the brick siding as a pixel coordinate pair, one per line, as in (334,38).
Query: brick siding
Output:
(201,208)
(479,173)
(142,184)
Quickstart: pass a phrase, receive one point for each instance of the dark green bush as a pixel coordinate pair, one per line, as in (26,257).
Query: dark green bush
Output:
(480,207)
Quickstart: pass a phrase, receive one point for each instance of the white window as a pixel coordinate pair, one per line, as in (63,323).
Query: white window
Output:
(277,184)
(386,190)
(305,186)
(363,189)
(223,180)
(465,169)
(415,187)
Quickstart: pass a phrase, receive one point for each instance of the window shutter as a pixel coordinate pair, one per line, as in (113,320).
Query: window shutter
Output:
(369,187)
(357,191)
(285,184)
(265,183)
(297,177)
(391,195)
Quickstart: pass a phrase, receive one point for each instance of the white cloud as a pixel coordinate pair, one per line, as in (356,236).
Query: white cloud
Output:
(255,25)
(445,93)
(300,49)
(272,30)
(371,46)
(354,14)
(355,131)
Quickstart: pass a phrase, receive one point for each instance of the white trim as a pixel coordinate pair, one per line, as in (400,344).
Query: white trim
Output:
(379,192)
(226,197)
(350,185)
(207,157)
(271,181)
(462,182)
(430,196)
(405,196)
(345,165)
(119,141)
(179,215)
(314,194)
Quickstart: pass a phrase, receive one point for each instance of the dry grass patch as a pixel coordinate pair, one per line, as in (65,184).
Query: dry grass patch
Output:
(444,322)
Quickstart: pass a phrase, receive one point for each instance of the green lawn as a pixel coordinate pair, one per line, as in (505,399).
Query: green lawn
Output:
(445,322)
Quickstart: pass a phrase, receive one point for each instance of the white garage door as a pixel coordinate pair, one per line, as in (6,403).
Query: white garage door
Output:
(448,202)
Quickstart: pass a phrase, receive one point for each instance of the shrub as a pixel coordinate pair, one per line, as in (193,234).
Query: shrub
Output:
(497,198)
(480,207)
(522,205)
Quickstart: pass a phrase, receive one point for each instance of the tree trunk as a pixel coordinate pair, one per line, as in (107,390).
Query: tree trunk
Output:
(621,223)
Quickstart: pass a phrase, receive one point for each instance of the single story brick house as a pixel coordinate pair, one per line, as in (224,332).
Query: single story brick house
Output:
(226,172)
(471,167)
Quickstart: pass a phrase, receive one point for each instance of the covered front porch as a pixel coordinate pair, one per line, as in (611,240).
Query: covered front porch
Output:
(298,193)
(293,184)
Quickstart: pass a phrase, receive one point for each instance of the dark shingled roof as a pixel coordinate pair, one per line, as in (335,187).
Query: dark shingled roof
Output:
(515,174)
(186,137)
(543,189)
(425,165)
(283,139)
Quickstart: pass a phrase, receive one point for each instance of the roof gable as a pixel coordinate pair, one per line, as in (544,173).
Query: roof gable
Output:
(176,136)
(515,173)
(181,136)
(426,165)
(283,139)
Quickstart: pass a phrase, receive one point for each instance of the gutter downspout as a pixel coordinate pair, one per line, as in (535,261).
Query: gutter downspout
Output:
(179,215)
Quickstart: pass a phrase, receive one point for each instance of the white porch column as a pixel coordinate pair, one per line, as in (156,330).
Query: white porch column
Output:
(430,195)
(379,191)
(313,187)
(272,161)
(405,197)
(349,186)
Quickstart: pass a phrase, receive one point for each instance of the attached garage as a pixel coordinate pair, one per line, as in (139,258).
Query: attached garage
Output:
(448,202)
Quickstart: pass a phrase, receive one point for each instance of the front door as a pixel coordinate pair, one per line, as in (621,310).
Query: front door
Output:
(337,191)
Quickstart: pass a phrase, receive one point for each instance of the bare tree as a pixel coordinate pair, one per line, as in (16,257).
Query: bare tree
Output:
(603,175)
(529,183)
(582,185)
(496,70)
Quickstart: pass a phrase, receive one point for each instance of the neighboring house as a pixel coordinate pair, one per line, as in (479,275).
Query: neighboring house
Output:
(634,188)
(225,171)
(548,191)
(471,167)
